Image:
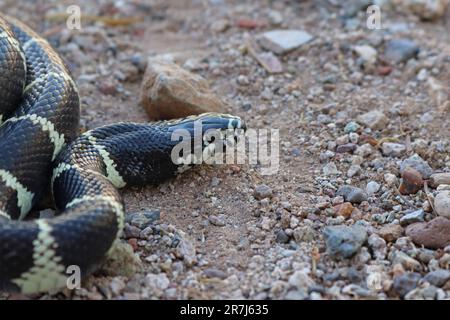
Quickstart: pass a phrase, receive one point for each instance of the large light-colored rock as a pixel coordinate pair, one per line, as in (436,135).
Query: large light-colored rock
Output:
(283,41)
(168,91)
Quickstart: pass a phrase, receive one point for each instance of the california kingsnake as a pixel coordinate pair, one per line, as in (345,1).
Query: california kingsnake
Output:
(40,113)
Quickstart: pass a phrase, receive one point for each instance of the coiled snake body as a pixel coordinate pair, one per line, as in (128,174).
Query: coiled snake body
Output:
(39,111)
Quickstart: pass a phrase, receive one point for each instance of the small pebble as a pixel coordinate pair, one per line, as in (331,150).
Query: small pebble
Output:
(390,232)
(375,120)
(282,237)
(400,50)
(218,220)
(352,126)
(352,194)
(411,181)
(412,217)
(262,191)
(343,242)
(372,187)
(393,149)
(438,277)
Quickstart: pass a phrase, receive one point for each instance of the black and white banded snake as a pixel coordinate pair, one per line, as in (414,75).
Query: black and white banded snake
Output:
(39,144)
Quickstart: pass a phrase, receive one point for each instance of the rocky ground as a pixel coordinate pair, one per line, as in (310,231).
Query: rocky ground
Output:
(360,206)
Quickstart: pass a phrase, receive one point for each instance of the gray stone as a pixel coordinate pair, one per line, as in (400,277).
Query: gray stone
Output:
(283,41)
(425,255)
(131,231)
(417,163)
(405,283)
(378,246)
(214,273)
(275,17)
(262,191)
(401,50)
(296,295)
(143,219)
(186,250)
(218,220)
(348,147)
(438,277)
(282,237)
(343,242)
(393,149)
(352,194)
(365,150)
(412,217)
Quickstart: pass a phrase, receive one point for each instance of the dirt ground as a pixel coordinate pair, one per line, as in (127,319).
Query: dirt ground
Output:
(321,89)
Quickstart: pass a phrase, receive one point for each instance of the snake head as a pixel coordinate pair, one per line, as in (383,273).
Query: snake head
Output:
(208,121)
(203,137)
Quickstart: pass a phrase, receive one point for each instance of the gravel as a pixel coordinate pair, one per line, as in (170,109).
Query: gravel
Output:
(351,122)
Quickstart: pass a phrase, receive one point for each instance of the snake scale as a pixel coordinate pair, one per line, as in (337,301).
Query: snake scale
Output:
(40,146)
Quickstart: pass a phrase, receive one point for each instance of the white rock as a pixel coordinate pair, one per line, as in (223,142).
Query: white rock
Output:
(367,53)
(157,281)
(390,179)
(442,204)
(372,187)
(282,41)
(275,17)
